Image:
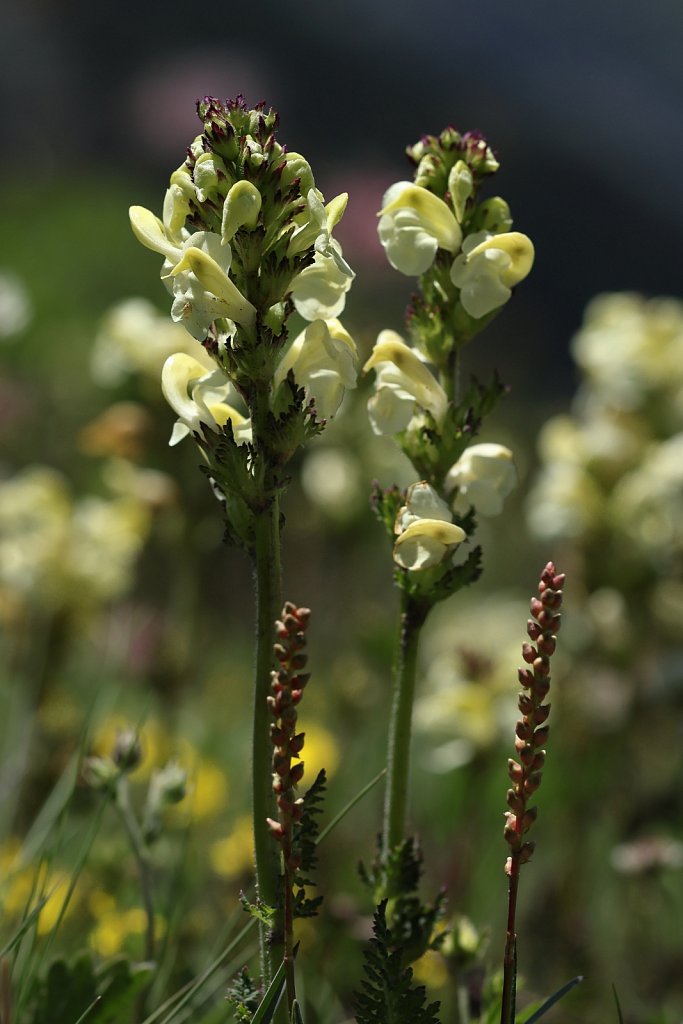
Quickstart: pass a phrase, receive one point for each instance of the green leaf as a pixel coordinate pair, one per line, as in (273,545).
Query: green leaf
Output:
(536,1015)
(265,1012)
(259,910)
(120,983)
(297,1016)
(620,1016)
(388,995)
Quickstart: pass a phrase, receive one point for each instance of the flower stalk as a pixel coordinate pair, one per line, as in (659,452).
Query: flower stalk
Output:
(531,735)
(288,683)
(412,618)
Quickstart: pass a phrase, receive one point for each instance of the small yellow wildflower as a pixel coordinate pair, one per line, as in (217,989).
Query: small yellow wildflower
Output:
(430,970)
(232,856)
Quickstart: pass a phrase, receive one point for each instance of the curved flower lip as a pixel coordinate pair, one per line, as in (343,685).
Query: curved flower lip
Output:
(212,277)
(202,405)
(317,229)
(437,530)
(151,233)
(390,348)
(436,216)
(514,244)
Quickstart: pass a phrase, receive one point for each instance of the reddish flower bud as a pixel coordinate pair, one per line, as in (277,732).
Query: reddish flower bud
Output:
(525,677)
(547,644)
(296,743)
(276,829)
(529,653)
(515,801)
(541,736)
(525,852)
(532,782)
(525,704)
(524,731)
(537,761)
(529,818)
(541,713)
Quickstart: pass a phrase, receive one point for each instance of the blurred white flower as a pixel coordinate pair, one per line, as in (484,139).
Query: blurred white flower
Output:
(135,338)
(15,305)
(565,502)
(331,479)
(425,531)
(647,503)
(59,553)
(629,347)
(483,476)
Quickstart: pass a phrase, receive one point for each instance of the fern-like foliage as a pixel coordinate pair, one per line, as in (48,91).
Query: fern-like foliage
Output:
(395,878)
(244,996)
(388,995)
(305,840)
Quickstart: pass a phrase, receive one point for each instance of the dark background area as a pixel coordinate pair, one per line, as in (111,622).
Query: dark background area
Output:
(581,100)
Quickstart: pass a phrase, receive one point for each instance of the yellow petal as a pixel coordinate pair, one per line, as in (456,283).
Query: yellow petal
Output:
(436,216)
(435,529)
(335,209)
(518,247)
(215,280)
(151,233)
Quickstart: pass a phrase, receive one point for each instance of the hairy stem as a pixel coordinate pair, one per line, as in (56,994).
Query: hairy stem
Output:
(139,849)
(268,601)
(412,618)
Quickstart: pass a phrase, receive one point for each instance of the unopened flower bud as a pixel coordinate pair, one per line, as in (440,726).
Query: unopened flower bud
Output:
(100,772)
(127,752)
(241,209)
(541,736)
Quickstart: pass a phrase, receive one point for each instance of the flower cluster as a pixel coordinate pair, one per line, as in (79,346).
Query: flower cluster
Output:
(468,261)
(246,240)
(436,216)
(61,553)
(611,479)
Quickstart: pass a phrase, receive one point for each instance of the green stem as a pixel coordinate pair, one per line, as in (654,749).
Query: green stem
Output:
(140,851)
(268,606)
(413,615)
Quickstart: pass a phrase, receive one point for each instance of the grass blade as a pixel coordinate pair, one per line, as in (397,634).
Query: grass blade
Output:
(550,1001)
(350,805)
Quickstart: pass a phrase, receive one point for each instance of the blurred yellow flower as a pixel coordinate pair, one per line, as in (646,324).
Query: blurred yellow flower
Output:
(430,970)
(320,751)
(28,886)
(233,856)
(109,935)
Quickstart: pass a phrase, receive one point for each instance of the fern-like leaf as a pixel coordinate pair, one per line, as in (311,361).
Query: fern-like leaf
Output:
(388,995)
